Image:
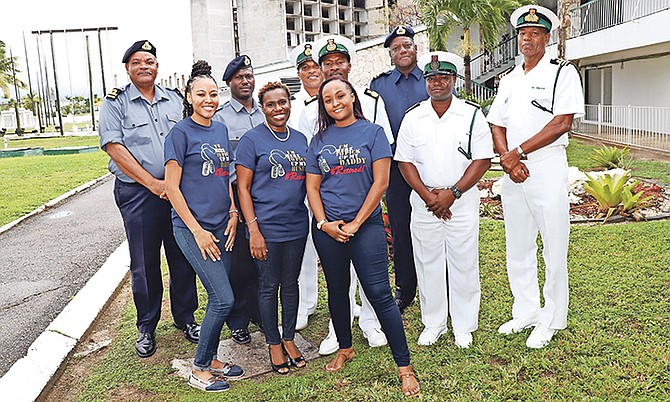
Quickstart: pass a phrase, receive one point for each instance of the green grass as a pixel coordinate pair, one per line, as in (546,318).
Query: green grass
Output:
(55,142)
(28,182)
(616,346)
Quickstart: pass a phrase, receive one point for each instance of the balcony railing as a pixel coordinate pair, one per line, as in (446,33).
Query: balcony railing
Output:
(479,91)
(601,14)
(639,126)
(488,61)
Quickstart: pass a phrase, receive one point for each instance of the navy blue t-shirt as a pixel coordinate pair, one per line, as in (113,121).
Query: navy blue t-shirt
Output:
(203,154)
(278,186)
(343,156)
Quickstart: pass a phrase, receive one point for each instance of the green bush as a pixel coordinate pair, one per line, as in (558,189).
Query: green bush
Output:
(612,157)
(614,195)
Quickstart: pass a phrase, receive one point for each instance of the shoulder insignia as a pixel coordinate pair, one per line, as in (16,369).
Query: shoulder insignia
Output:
(472,103)
(114,93)
(311,99)
(292,98)
(369,92)
(383,73)
(414,106)
(560,62)
(178,91)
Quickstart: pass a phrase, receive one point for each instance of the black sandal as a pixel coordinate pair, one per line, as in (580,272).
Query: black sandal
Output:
(295,362)
(278,367)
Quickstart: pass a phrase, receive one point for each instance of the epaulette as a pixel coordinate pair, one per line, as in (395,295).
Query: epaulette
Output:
(114,93)
(471,103)
(178,91)
(369,92)
(414,106)
(292,98)
(311,99)
(381,74)
(560,62)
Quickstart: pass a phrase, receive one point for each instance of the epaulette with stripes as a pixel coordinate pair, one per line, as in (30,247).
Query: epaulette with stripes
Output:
(382,74)
(311,99)
(114,93)
(414,106)
(369,92)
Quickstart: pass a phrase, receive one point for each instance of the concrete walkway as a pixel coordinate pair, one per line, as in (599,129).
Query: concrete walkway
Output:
(45,261)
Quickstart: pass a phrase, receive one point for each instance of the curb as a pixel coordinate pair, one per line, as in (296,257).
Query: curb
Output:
(30,375)
(54,202)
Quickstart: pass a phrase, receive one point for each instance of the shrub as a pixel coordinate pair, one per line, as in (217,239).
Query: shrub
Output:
(612,157)
(614,195)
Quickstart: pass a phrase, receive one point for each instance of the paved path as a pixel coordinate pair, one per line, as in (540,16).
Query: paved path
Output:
(46,259)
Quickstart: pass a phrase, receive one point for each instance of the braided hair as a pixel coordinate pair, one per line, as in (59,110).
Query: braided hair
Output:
(201,69)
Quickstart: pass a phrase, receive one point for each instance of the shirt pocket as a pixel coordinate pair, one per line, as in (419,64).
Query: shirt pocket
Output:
(172,119)
(420,149)
(541,98)
(136,131)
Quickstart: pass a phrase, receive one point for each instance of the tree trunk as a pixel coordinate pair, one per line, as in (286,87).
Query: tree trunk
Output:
(467,54)
(563,8)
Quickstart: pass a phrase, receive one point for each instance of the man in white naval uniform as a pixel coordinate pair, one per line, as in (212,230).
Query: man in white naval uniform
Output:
(311,77)
(531,116)
(444,148)
(334,55)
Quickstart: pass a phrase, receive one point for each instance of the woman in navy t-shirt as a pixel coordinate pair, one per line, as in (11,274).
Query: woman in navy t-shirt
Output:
(197,163)
(348,164)
(271,188)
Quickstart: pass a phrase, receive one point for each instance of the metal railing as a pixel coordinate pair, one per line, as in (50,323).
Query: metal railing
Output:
(601,14)
(640,126)
(500,56)
(479,91)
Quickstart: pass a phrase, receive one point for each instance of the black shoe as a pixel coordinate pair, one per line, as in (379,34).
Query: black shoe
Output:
(145,345)
(240,336)
(191,331)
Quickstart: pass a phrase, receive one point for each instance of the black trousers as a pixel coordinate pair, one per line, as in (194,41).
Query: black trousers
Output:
(148,225)
(399,211)
(243,278)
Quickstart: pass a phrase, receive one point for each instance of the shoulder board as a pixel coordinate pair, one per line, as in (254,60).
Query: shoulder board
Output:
(471,103)
(560,62)
(369,92)
(414,106)
(311,99)
(382,74)
(292,98)
(177,91)
(114,93)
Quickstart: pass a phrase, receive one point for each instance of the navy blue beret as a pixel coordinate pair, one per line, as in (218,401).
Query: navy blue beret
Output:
(139,46)
(400,30)
(239,62)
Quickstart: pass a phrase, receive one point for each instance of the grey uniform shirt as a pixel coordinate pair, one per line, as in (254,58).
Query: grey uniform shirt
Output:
(238,121)
(140,125)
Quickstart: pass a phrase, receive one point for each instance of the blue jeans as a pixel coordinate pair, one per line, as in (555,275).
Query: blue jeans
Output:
(281,269)
(368,252)
(220,299)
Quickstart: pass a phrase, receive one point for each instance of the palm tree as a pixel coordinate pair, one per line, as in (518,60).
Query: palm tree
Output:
(442,16)
(6,76)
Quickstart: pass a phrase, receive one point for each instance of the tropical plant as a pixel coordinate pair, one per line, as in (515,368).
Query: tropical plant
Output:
(612,157)
(31,102)
(6,76)
(613,194)
(403,12)
(442,16)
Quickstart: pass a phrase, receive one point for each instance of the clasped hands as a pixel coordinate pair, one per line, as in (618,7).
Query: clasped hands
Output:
(511,163)
(440,203)
(340,230)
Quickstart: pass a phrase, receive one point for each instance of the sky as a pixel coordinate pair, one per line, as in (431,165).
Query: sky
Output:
(165,23)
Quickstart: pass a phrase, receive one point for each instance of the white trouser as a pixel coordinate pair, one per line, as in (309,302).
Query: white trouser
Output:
(308,282)
(447,263)
(539,204)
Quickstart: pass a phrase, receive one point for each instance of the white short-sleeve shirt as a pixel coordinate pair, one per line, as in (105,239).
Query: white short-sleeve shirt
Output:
(431,143)
(513,108)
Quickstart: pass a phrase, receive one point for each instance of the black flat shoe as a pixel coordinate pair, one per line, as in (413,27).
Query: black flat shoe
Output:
(191,331)
(240,336)
(277,367)
(145,345)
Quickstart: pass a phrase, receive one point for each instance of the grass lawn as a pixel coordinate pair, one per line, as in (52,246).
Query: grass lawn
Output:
(616,346)
(30,181)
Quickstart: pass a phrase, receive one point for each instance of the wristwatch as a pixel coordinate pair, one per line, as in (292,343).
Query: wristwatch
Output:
(521,153)
(456,191)
(320,223)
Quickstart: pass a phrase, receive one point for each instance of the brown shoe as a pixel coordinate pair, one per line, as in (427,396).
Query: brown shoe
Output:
(343,356)
(410,386)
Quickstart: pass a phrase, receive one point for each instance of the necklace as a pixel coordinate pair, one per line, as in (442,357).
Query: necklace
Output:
(288,133)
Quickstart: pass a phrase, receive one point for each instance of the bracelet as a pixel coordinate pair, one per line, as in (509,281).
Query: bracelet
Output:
(252,221)
(234,211)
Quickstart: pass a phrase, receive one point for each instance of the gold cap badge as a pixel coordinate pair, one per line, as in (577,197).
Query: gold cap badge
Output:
(331,45)
(434,63)
(308,50)
(146,45)
(247,62)
(531,17)
(400,30)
